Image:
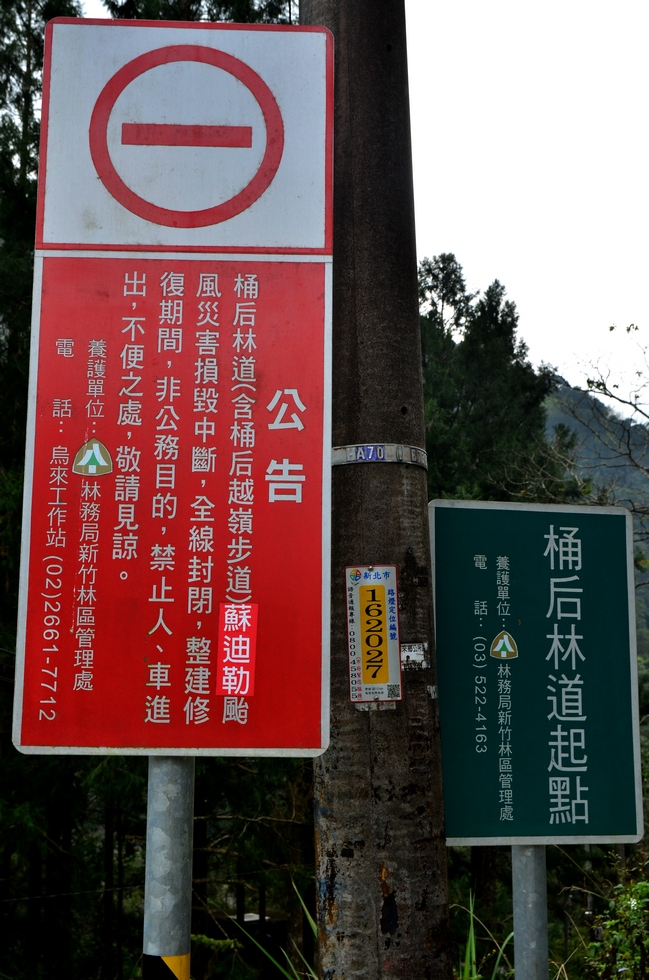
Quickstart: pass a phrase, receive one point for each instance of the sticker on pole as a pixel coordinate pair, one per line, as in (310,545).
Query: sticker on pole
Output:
(373,633)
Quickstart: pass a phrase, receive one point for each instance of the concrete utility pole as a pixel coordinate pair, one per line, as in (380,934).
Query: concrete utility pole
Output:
(381,854)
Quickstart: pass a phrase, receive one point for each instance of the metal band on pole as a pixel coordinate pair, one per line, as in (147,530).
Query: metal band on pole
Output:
(378,452)
(168,872)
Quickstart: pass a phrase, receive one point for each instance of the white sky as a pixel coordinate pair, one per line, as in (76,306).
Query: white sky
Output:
(530,159)
(530,163)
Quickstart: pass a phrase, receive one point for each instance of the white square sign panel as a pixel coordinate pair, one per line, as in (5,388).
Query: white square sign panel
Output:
(196,136)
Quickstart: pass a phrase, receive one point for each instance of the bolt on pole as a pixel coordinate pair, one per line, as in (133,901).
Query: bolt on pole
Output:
(168,870)
(381,854)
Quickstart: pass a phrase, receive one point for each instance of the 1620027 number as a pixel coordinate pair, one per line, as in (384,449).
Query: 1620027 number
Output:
(374,634)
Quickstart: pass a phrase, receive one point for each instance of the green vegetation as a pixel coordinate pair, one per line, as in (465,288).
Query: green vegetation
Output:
(621,943)
(292,973)
(484,402)
(470,968)
(237,11)
(498,430)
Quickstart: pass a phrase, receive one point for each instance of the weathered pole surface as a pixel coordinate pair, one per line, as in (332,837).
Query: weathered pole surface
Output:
(168,869)
(382,887)
(530,894)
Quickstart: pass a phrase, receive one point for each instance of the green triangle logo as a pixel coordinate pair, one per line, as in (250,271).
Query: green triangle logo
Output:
(93,459)
(504,646)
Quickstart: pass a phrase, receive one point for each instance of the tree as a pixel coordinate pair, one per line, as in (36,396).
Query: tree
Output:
(611,424)
(22,25)
(486,440)
(238,11)
(485,414)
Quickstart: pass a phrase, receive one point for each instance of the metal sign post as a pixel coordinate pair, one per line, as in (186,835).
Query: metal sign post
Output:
(535,629)
(168,872)
(530,899)
(179,434)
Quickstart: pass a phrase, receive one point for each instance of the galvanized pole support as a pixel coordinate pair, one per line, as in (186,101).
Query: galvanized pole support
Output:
(530,892)
(168,872)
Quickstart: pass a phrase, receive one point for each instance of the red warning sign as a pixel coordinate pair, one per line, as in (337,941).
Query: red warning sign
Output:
(175,548)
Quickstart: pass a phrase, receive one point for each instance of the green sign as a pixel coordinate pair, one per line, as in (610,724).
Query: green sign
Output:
(537,678)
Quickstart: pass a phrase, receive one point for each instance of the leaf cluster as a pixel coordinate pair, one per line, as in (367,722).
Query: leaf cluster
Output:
(484,402)
(622,934)
(237,11)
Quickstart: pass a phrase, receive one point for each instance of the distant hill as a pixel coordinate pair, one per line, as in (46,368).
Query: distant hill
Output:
(606,447)
(606,444)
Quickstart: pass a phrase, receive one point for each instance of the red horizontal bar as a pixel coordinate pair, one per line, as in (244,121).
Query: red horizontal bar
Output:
(165,134)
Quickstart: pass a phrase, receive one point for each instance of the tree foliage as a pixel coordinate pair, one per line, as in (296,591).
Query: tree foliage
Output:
(611,426)
(22,24)
(486,439)
(484,402)
(237,11)
(621,943)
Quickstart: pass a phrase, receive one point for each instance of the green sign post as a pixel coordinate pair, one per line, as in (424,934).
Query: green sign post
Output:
(537,676)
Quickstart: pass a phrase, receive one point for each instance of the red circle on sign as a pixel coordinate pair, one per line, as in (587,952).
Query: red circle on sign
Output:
(164,216)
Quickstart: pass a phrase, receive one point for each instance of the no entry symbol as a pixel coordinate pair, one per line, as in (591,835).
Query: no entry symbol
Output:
(144,133)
